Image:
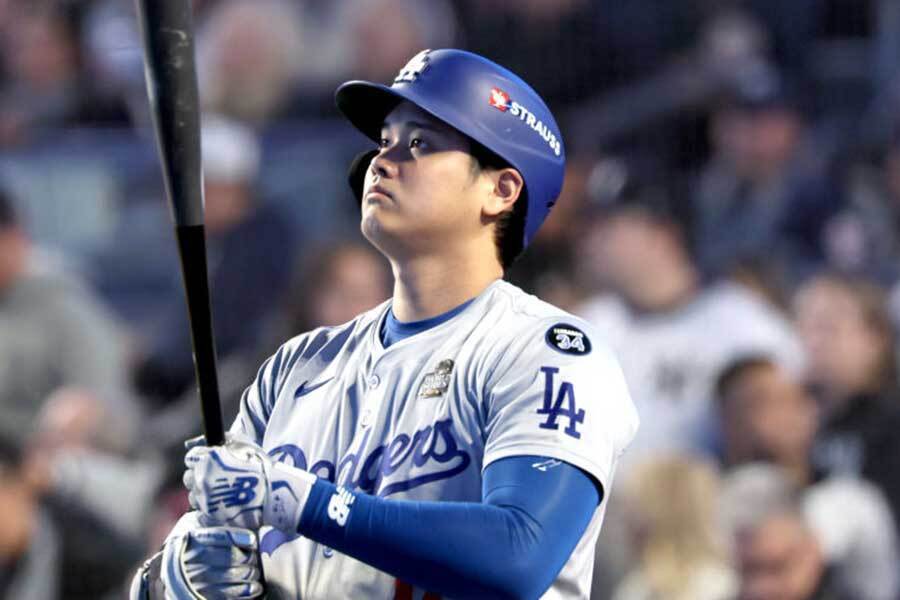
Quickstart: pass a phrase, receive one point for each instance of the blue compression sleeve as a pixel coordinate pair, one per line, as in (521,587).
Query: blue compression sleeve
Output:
(512,545)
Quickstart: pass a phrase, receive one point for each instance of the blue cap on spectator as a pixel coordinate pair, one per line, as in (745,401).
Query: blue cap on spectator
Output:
(762,88)
(628,184)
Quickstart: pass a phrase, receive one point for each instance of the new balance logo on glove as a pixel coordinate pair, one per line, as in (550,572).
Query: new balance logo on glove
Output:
(339,506)
(238,492)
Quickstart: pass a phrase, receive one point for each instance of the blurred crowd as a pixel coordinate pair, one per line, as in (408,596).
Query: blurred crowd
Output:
(730,223)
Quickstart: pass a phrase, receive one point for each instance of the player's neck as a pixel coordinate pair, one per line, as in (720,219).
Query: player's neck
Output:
(427,286)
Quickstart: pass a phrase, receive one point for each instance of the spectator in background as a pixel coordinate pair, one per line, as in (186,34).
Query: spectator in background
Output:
(574,49)
(62,392)
(547,267)
(250,247)
(847,332)
(251,54)
(53,332)
(413,25)
(766,415)
(672,335)
(672,511)
(765,194)
(335,284)
(864,237)
(112,59)
(29,545)
(45,87)
(775,551)
(81,487)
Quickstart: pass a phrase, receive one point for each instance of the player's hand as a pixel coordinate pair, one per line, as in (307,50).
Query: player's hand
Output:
(226,484)
(239,484)
(212,563)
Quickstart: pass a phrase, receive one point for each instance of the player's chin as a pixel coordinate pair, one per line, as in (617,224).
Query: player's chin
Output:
(383,228)
(372,224)
(380,206)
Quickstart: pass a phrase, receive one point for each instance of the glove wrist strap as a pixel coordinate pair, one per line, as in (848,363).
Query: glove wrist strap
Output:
(289,490)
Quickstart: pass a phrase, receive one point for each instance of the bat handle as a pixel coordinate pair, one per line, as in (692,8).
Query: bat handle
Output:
(192,246)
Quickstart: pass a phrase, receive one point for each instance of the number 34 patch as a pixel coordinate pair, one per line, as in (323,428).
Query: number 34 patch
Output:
(568,339)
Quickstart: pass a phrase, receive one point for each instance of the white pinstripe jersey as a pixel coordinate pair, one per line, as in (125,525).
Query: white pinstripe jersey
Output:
(509,375)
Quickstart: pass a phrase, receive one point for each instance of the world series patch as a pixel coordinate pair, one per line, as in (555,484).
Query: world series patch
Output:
(568,339)
(437,382)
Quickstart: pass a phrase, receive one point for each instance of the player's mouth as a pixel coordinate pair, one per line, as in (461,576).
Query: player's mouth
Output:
(377,191)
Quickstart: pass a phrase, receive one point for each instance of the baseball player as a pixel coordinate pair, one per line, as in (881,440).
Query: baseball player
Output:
(457,441)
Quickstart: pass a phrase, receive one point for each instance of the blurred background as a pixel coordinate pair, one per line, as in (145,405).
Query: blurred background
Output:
(730,222)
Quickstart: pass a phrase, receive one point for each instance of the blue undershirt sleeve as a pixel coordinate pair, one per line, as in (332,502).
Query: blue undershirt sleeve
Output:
(511,545)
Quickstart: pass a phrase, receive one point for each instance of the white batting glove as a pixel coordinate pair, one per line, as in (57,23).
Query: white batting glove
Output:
(209,563)
(239,484)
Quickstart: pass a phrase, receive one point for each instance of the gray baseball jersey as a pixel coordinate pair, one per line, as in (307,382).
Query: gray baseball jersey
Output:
(510,375)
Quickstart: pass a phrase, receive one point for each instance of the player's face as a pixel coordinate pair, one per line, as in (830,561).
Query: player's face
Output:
(421,192)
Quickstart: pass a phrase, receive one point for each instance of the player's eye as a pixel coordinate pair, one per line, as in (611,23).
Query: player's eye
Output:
(416,142)
(384,142)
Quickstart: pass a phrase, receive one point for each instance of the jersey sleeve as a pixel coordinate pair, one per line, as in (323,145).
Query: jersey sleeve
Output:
(306,351)
(559,392)
(512,544)
(259,397)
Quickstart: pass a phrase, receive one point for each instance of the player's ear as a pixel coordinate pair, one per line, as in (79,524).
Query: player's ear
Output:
(507,188)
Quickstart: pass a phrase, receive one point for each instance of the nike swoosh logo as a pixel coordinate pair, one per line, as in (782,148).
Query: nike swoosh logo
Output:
(545,465)
(305,389)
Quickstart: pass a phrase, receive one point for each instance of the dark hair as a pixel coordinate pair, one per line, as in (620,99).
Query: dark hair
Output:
(7,212)
(509,234)
(356,173)
(10,449)
(737,369)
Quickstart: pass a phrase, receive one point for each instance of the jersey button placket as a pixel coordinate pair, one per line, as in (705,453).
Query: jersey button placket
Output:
(365,420)
(368,413)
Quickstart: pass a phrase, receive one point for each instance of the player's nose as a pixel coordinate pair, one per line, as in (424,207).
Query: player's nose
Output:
(384,165)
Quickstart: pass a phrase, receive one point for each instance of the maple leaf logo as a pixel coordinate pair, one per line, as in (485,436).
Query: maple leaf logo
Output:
(499,99)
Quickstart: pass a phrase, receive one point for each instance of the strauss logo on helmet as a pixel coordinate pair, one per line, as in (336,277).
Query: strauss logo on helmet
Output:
(501,101)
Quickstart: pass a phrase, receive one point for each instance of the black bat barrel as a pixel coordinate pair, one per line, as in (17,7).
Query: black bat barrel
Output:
(172,87)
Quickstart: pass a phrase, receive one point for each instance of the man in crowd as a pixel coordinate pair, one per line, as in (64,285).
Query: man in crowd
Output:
(766,415)
(668,330)
(775,550)
(53,332)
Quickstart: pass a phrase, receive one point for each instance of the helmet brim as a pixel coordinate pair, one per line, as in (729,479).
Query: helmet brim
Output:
(366,104)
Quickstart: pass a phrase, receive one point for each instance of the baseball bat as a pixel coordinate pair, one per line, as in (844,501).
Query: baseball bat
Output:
(171,77)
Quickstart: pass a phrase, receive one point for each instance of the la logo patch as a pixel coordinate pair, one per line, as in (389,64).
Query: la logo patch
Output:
(415,67)
(563,407)
(499,99)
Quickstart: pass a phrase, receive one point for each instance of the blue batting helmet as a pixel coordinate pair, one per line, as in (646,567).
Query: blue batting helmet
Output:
(482,100)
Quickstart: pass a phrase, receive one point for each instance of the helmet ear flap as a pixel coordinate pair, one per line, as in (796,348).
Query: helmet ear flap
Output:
(356,174)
